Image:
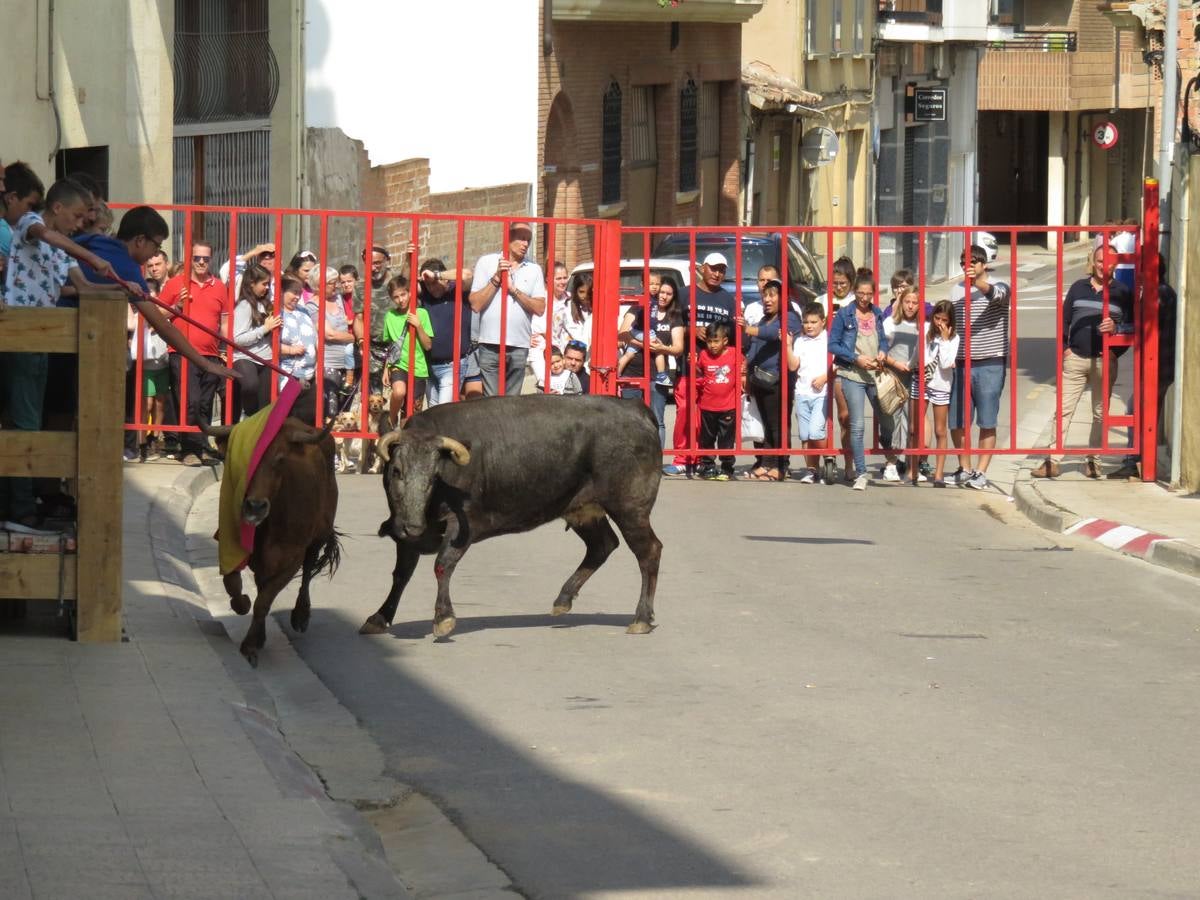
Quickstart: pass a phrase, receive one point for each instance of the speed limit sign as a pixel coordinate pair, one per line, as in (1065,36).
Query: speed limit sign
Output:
(1104,135)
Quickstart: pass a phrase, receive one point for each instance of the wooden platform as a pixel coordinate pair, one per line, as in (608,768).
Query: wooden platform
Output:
(90,456)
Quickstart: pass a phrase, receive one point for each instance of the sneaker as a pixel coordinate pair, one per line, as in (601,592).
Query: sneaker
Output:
(674,470)
(861,482)
(1048,469)
(809,477)
(921,477)
(979,482)
(1127,472)
(663,379)
(132,456)
(719,476)
(191,459)
(1091,469)
(708,473)
(926,469)
(961,477)
(890,472)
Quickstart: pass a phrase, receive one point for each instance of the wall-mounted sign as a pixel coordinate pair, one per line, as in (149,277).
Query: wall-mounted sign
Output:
(1105,135)
(924,104)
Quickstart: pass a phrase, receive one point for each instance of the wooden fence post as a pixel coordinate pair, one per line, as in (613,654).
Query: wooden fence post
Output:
(102,355)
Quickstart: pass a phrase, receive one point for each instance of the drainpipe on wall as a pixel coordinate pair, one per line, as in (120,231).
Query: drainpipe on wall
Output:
(50,93)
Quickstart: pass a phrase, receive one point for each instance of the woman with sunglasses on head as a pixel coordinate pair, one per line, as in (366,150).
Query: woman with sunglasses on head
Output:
(303,267)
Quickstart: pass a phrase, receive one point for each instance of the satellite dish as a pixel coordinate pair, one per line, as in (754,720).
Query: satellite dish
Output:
(818,147)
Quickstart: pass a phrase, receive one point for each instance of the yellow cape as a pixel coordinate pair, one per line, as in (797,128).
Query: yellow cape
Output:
(232,555)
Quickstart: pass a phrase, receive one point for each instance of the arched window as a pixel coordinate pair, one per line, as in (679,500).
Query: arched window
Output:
(688,130)
(610,146)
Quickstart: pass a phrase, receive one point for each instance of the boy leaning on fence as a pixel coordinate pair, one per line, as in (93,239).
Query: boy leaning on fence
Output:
(39,264)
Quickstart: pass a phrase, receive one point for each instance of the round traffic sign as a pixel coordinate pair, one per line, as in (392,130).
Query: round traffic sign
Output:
(1104,135)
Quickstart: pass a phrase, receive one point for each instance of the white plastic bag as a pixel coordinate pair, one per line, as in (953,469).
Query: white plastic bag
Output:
(752,426)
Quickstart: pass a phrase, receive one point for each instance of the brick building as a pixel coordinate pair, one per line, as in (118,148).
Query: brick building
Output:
(639,114)
(1041,98)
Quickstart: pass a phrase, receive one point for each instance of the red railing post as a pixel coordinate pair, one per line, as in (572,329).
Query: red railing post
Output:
(1147,439)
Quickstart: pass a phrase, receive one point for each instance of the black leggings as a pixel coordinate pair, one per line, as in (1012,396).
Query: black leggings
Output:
(771,403)
(253,391)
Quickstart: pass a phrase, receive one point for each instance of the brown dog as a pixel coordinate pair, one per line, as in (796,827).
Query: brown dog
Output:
(377,421)
(345,421)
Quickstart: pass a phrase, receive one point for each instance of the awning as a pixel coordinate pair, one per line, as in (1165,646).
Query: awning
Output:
(772,92)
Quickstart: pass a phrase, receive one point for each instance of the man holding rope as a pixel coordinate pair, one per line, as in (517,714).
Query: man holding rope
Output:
(139,237)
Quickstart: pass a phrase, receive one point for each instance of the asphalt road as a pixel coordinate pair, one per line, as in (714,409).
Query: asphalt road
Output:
(898,693)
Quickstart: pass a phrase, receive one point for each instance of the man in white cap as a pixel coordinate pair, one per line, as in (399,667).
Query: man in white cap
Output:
(526,299)
(705,305)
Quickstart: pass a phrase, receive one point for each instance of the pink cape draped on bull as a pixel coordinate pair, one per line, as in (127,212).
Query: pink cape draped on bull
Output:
(463,472)
(278,504)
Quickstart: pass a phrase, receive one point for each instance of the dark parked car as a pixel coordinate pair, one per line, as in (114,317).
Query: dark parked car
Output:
(806,281)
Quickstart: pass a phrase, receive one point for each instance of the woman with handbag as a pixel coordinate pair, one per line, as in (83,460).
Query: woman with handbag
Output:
(768,381)
(859,346)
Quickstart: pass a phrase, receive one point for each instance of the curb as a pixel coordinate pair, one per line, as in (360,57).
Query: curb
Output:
(1159,549)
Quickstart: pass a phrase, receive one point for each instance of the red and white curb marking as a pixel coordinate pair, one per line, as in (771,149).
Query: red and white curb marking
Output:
(1124,538)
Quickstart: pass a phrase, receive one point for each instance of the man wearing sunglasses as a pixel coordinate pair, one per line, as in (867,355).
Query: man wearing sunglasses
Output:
(201,296)
(575,360)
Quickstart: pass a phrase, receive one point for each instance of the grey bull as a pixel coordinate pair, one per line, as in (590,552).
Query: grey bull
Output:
(464,472)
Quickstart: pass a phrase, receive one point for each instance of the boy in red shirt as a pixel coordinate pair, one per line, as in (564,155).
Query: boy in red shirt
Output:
(716,398)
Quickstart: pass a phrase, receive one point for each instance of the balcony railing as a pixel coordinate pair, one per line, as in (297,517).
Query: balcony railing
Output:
(1039,41)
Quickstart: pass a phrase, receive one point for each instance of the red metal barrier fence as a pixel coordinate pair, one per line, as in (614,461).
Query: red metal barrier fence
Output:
(618,285)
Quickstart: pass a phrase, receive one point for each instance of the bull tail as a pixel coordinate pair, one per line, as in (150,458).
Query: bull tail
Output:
(331,555)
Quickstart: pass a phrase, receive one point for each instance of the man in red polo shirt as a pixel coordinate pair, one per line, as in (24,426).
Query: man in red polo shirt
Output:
(201,296)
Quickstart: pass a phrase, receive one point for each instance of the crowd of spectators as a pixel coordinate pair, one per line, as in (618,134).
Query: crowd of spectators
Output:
(53,242)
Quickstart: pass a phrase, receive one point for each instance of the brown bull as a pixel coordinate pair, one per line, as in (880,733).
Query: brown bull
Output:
(292,501)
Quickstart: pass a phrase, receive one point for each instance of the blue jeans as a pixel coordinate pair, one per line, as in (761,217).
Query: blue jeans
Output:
(24,384)
(857,393)
(987,385)
(440,386)
(658,405)
(810,418)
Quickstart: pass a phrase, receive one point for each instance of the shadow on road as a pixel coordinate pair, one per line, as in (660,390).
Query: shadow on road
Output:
(419,630)
(554,835)
(780,539)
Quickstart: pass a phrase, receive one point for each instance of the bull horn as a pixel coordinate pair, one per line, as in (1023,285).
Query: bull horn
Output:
(458,452)
(220,432)
(385,443)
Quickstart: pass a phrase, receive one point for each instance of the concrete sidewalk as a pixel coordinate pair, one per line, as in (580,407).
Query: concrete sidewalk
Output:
(159,766)
(1135,518)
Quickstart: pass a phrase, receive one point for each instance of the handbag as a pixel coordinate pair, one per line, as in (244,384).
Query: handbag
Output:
(890,391)
(764,378)
(752,425)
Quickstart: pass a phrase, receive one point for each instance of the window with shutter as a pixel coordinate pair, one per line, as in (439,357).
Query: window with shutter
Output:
(688,175)
(610,150)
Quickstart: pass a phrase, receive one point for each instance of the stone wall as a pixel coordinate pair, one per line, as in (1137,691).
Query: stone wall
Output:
(340,177)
